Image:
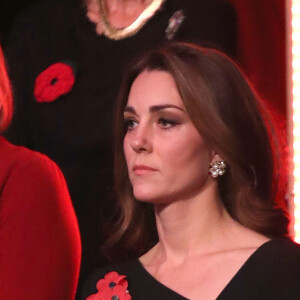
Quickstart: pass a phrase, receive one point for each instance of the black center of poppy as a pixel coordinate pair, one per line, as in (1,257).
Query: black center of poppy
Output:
(53,81)
(114,297)
(112,284)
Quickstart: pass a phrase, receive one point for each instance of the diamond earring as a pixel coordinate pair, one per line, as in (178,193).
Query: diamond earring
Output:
(217,168)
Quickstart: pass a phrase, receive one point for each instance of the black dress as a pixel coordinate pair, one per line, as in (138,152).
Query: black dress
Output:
(272,272)
(75,130)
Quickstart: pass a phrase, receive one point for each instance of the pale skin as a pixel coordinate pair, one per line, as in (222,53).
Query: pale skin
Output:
(200,246)
(121,13)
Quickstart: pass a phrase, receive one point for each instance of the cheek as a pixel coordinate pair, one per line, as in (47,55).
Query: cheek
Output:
(126,148)
(189,156)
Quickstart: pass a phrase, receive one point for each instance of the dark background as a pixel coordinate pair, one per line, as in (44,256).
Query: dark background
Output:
(261,43)
(262,47)
(9,9)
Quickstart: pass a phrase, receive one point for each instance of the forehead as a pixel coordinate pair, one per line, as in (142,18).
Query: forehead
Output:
(154,88)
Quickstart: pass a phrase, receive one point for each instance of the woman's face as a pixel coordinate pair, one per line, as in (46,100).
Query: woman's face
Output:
(167,158)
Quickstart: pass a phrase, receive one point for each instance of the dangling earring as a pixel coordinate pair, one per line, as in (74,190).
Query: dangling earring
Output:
(217,168)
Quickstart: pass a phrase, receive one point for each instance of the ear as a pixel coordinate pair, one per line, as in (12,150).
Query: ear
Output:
(215,157)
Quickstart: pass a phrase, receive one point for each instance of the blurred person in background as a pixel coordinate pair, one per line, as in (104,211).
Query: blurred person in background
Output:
(39,236)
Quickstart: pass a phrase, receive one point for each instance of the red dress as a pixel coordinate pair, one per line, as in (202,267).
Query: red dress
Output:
(39,238)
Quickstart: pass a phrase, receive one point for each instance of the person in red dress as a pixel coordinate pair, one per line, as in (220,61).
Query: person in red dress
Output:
(39,238)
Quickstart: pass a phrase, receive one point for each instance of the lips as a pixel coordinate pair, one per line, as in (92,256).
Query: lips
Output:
(142,169)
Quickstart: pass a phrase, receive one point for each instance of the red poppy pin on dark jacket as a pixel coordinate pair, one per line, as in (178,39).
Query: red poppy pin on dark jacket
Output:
(53,82)
(112,287)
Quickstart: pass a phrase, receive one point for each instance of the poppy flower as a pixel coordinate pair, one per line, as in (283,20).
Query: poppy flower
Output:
(112,287)
(55,81)
(110,280)
(97,296)
(116,293)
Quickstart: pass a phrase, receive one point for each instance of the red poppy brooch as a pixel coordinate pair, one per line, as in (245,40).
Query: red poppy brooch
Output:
(55,81)
(112,287)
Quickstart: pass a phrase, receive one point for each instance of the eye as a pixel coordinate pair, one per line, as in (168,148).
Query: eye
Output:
(167,123)
(130,124)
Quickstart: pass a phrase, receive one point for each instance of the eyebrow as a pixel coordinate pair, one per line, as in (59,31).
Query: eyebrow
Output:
(154,108)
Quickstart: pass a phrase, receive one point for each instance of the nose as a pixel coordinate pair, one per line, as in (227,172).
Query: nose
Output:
(141,140)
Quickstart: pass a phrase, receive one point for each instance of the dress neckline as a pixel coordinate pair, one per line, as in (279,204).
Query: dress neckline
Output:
(120,33)
(242,269)
(86,27)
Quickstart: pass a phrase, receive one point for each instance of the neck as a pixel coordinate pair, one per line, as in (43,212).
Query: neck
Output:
(191,227)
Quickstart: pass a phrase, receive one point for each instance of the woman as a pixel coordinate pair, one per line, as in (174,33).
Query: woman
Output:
(73,126)
(39,237)
(197,156)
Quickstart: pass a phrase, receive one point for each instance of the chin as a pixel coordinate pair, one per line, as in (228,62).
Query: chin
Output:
(147,195)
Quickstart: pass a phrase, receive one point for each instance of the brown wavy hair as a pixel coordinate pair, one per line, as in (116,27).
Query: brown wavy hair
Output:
(230,116)
(6,102)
